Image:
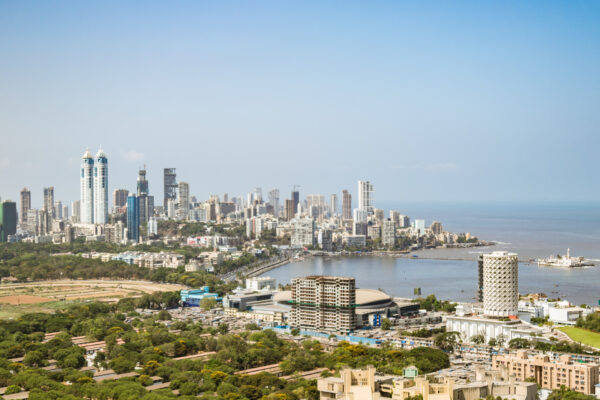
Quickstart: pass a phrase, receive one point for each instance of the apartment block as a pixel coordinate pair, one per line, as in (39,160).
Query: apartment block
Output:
(324,303)
(550,374)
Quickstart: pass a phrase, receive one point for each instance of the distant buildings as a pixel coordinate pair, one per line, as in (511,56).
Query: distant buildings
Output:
(49,200)
(289,210)
(296,200)
(100,194)
(87,189)
(94,189)
(8,220)
(169,186)
(333,207)
(388,235)
(365,196)
(323,303)
(120,197)
(273,201)
(303,233)
(183,209)
(145,201)
(346,205)
(25,205)
(133,218)
(419,227)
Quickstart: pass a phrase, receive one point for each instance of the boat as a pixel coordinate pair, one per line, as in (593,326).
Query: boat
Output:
(563,261)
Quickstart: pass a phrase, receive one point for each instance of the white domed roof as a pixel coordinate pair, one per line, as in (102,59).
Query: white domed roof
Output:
(87,154)
(100,154)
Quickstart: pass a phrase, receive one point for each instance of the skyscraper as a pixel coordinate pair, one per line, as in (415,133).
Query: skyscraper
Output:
(76,211)
(333,207)
(274,200)
(365,196)
(296,200)
(101,188)
(145,202)
(58,210)
(49,200)
(120,197)
(8,219)
(142,182)
(346,205)
(86,213)
(289,210)
(170,185)
(500,284)
(184,201)
(25,205)
(133,218)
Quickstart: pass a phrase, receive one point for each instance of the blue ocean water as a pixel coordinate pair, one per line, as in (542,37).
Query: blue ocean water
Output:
(530,229)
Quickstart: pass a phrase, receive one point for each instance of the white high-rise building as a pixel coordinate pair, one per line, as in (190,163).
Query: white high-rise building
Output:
(365,196)
(87,189)
(333,206)
(101,188)
(184,201)
(500,284)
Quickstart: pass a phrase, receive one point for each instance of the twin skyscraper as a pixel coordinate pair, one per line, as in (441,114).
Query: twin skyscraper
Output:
(94,188)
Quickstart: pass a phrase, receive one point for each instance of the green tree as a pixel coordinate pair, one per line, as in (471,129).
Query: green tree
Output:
(386,324)
(478,339)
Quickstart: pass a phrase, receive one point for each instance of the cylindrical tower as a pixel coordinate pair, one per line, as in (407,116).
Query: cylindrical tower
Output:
(101,188)
(87,189)
(500,284)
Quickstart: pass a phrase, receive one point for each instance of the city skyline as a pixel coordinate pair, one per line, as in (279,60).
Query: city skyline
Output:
(398,93)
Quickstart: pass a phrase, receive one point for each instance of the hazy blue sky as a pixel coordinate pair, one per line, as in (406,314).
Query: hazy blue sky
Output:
(429,101)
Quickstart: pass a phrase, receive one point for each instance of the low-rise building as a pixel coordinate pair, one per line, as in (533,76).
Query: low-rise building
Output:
(364,384)
(550,374)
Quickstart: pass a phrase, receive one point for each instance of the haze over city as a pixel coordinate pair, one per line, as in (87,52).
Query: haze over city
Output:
(463,101)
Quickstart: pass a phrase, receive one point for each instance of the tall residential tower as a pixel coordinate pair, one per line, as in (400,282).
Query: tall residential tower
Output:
(365,196)
(25,205)
(87,189)
(500,284)
(101,188)
(170,186)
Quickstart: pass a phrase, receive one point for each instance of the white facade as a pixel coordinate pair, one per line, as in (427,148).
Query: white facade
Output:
(419,227)
(468,327)
(152,226)
(360,215)
(260,283)
(566,315)
(354,240)
(170,208)
(365,196)
(388,233)
(303,233)
(101,188)
(500,284)
(87,189)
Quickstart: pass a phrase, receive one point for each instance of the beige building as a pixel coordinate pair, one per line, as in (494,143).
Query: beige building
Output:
(353,384)
(550,374)
(365,385)
(323,303)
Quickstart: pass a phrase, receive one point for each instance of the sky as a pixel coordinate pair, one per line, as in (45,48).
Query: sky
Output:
(430,101)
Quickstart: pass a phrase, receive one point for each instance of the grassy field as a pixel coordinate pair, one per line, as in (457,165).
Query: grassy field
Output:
(54,295)
(15,311)
(582,335)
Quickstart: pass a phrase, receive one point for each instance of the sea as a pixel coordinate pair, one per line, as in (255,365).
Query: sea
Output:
(532,230)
